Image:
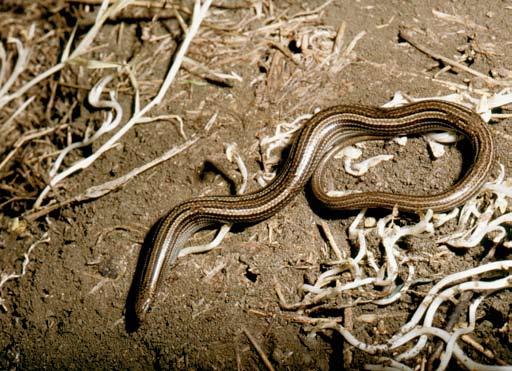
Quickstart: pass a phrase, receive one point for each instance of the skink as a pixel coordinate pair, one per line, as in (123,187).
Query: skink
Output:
(320,137)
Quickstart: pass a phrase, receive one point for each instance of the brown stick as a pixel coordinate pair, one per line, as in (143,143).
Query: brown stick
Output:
(260,352)
(348,323)
(206,73)
(407,36)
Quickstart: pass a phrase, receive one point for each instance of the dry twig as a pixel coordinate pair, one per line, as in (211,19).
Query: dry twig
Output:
(207,74)
(407,36)
(260,352)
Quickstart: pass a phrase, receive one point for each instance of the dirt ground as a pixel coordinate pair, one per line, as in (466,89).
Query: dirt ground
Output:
(68,310)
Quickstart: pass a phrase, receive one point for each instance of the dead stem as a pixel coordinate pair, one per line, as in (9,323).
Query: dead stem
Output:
(407,36)
(260,352)
(207,74)
(296,318)
(332,241)
(468,339)
(347,348)
(286,52)
(105,188)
